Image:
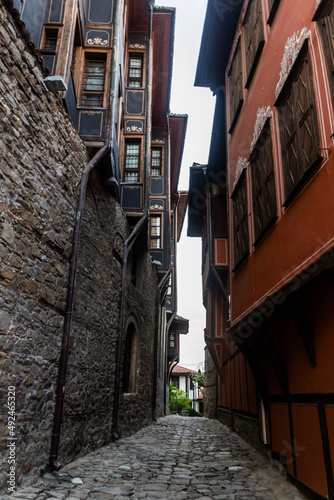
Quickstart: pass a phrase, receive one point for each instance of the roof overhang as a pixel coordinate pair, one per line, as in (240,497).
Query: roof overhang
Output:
(196,200)
(163,52)
(180,325)
(178,128)
(181,212)
(220,24)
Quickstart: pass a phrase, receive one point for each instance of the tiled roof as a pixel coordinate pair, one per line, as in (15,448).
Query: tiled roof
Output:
(181,370)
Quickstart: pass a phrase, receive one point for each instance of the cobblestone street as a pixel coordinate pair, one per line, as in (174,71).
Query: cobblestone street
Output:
(177,457)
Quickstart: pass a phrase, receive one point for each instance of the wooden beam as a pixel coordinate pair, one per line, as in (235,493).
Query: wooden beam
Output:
(276,360)
(303,326)
(255,368)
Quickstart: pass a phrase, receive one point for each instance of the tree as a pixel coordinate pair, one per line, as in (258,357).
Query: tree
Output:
(178,399)
(200,380)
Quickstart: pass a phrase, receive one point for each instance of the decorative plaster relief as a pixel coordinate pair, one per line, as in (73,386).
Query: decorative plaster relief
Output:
(134,128)
(241,165)
(262,116)
(291,51)
(97,41)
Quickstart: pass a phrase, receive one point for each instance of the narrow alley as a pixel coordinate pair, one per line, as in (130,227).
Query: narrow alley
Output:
(177,457)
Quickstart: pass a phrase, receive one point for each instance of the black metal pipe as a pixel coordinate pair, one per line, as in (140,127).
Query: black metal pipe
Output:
(127,246)
(60,392)
(54,463)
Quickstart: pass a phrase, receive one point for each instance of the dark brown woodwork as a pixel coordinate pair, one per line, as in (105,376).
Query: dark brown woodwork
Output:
(240,221)
(254,37)
(263,183)
(303,326)
(276,360)
(299,128)
(326,450)
(235,86)
(255,368)
(326,27)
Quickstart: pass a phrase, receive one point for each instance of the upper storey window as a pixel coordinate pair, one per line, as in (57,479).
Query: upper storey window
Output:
(93,80)
(156,161)
(135,76)
(254,38)
(263,183)
(235,86)
(240,221)
(132,162)
(300,141)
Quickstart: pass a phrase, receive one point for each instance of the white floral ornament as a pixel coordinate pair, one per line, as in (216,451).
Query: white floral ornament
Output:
(241,165)
(291,51)
(262,116)
(134,128)
(97,41)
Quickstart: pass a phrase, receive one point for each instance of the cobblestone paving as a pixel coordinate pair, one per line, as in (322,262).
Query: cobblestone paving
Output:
(177,457)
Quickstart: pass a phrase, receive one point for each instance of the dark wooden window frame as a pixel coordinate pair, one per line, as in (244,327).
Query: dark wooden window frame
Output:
(263,185)
(235,84)
(156,235)
(50,39)
(132,80)
(127,160)
(240,221)
(156,167)
(295,143)
(254,38)
(273,7)
(93,85)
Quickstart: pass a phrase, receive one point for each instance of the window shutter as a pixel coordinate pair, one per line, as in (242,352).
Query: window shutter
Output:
(240,221)
(300,140)
(263,183)
(306,115)
(254,38)
(235,86)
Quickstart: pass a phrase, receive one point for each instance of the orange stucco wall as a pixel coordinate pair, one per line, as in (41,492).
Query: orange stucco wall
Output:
(305,230)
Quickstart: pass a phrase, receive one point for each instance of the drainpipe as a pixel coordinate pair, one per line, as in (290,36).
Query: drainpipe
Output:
(69,304)
(127,247)
(148,103)
(60,392)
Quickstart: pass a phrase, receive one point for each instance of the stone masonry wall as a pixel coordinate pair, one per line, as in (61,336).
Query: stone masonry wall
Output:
(210,388)
(42,160)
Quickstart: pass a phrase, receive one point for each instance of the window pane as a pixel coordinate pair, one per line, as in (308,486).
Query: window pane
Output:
(155,243)
(131,177)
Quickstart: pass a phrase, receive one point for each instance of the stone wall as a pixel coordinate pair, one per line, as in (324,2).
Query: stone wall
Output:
(42,160)
(210,387)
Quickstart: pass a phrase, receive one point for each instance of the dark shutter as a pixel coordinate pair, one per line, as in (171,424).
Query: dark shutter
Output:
(263,183)
(273,6)
(240,221)
(254,38)
(300,140)
(326,27)
(235,86)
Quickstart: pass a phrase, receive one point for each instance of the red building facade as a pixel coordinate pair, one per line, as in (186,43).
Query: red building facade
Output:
(266,218)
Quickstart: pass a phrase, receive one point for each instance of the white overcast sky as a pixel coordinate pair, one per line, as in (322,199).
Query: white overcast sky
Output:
(198,104)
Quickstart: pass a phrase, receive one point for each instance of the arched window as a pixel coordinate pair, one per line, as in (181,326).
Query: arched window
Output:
(130,360)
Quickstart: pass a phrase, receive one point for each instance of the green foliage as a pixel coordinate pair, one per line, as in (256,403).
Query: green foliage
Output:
(178,399)
(194,413)
(200,380)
